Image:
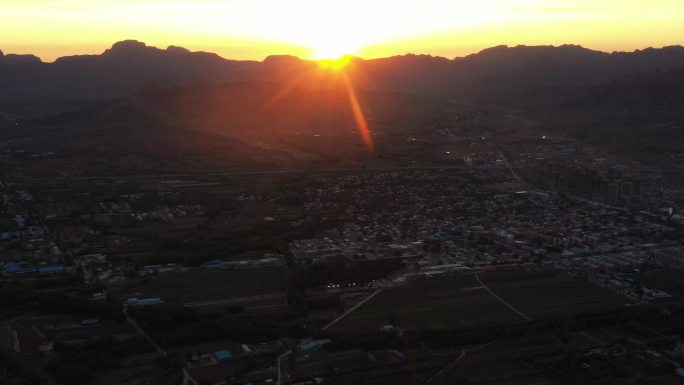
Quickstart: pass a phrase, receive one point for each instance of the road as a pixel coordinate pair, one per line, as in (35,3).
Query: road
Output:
(287,353)
(235,300)
(187,378)
(508,164)
(142,332)
(9,321)
(501,299)
(280,357)
(346,313)
(454,362)
(255,173)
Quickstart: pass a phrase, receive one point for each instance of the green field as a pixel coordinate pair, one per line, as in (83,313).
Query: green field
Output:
(460,301)
(198,288)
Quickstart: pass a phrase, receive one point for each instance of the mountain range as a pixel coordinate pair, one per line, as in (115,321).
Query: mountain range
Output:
(162,103)
(130,66)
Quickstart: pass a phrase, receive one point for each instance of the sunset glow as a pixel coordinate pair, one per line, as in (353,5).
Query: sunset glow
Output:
(359,116)
(335,63)
(253,29)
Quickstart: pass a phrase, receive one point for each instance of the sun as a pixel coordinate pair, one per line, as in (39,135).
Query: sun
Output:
(332,44)
(331,52)
(336,64)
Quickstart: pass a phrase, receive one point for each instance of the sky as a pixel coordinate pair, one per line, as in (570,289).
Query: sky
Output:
(317,29)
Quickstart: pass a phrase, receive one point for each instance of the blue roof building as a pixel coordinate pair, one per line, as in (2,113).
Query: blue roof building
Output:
(144,301)
(149,301)
(223,355)
(310,346)
(17,267)
(49,270)
(218,264)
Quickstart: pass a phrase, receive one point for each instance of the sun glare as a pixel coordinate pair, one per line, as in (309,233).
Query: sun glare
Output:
(332,43)
(337,64)
(332,52)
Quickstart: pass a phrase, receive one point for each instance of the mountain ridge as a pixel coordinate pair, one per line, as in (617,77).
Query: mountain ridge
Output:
(130,66)
(132,44)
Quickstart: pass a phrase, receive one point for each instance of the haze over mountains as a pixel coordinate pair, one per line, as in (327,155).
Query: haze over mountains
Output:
(130,66)
(173,98)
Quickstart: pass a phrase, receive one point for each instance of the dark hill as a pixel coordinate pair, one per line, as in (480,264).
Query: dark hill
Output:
(130,66)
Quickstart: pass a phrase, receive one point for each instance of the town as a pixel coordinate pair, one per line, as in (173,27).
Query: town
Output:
(348,276)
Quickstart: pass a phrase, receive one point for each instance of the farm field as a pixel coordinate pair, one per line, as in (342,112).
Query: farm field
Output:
(501,363)
(461,302)
(670,281)
(505,363)
(550,293)
(457,301)
(256,288)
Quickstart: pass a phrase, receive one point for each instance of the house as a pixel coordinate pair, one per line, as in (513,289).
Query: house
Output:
(223,355)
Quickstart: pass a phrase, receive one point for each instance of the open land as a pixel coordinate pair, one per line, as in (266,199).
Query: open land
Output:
(460,301)
(200,288)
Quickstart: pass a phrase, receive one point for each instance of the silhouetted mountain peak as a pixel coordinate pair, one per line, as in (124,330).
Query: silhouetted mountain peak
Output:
(281,59)
(177,50)
(498,49)
(133,49)
(672,48)
(503,51)
(130,66)
(411,59)
(11,58)
(128,48)
(666,52)
(420,57)
(669,48)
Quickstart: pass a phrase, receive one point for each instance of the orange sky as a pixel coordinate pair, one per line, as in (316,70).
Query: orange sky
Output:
(253,29)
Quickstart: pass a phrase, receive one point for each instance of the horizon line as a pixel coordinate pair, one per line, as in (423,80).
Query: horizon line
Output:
(475,52)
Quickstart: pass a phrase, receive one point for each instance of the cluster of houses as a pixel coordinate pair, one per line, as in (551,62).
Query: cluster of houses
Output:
(452,218)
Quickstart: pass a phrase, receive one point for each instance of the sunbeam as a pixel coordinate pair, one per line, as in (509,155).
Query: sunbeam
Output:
(359,116)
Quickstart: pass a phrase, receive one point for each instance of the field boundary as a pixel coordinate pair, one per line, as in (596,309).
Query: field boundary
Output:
(501,299)
(234,300)
(352,309)
(454,362)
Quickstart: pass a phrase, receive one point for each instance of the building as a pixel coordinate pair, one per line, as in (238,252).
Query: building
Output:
(223,356)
